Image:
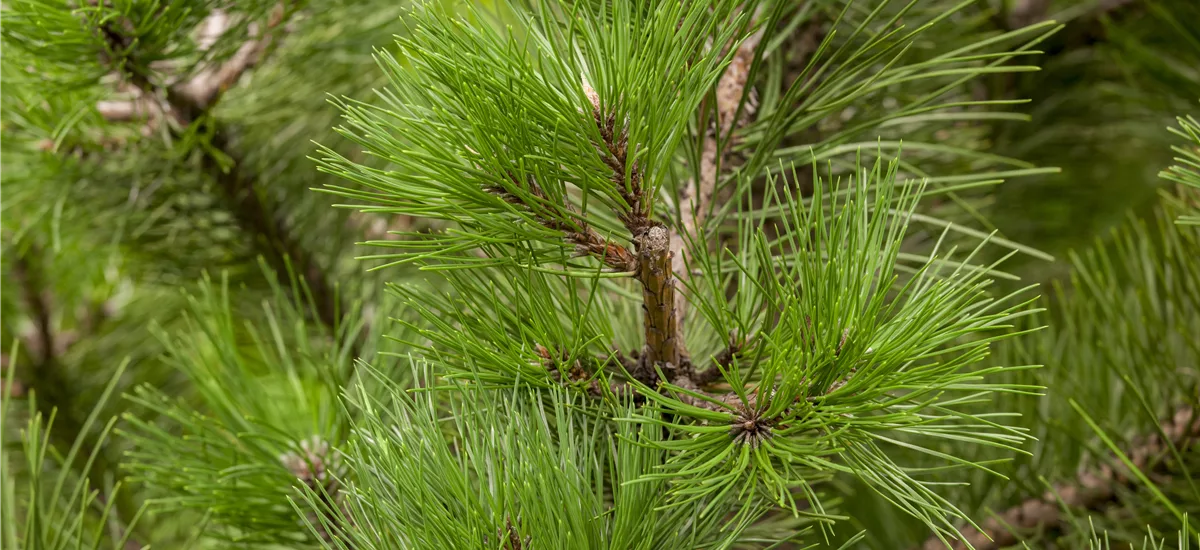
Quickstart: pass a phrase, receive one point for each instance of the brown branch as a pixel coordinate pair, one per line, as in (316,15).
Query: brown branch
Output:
(660,253)
(695,200)
(1094,490)
(735,106)
(664,342)
(661,301)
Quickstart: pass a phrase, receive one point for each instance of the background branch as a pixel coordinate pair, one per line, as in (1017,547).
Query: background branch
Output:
(1093,490)
(695,199)
(54,389)
(205,88)
(242,190)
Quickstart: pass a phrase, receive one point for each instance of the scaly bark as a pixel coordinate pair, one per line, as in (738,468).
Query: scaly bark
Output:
(660,303)
(654,268)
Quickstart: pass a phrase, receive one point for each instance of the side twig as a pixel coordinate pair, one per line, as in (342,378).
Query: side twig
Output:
(586,240)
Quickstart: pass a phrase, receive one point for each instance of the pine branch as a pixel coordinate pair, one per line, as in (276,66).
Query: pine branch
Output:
(506,119)
(661,320)
(614,152)
(1094,490)
(186,103)
(189,99)
(618,157)
(662,253)
(695,199)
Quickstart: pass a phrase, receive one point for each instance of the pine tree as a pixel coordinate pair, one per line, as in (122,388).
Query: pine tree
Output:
(580,274)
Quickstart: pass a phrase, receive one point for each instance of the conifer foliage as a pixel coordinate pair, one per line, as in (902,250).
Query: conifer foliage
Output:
(570,274)
(1187,171)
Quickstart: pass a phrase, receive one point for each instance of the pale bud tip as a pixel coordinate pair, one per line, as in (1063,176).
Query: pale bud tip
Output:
(591,94)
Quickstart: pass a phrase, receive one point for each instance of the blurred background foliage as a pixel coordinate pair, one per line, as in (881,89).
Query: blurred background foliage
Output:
(1116,76)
